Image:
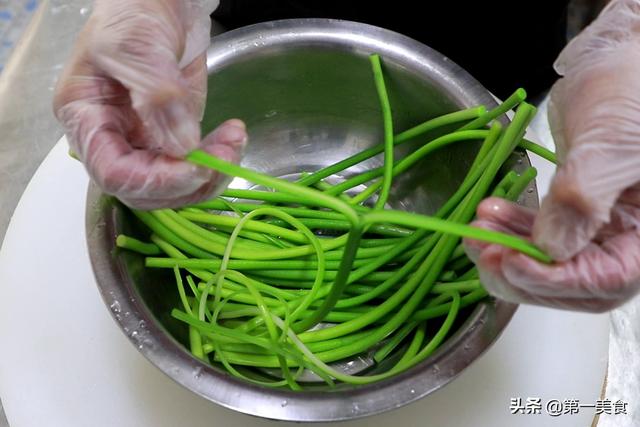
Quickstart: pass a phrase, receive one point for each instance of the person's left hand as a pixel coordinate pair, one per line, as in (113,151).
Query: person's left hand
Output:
(589,222)
(600,277)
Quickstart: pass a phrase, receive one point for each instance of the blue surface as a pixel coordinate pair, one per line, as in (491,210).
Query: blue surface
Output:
(14,18)
(31,5)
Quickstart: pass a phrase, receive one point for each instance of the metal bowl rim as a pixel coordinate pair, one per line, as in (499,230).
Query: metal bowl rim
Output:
(169,356)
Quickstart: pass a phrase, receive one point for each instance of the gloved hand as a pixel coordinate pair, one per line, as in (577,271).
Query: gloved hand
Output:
(132,96)
(589,220)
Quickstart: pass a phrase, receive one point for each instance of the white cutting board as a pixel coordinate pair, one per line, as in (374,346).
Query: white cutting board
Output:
(64,362)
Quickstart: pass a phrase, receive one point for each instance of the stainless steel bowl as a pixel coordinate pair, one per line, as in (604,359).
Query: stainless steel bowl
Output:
(305,89)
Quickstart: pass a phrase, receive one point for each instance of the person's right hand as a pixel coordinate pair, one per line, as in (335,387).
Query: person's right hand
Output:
(131,98)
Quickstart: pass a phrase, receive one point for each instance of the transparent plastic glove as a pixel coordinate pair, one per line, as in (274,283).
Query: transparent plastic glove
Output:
(588,222)
(132,96)
(603,275)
